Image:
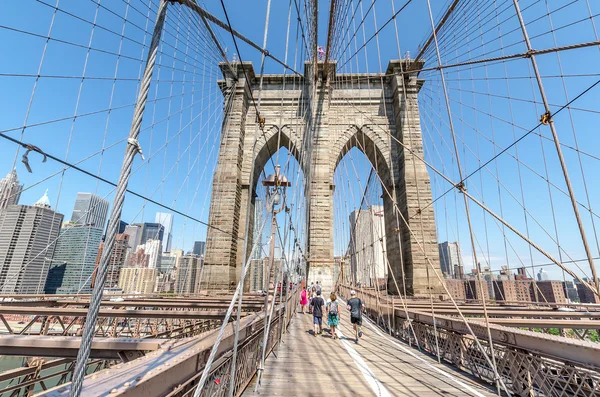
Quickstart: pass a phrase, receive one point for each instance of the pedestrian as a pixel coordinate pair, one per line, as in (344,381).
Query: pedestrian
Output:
(356,307)
(333,314)
(318,287)
(311,295)
(303,300)
(317,304)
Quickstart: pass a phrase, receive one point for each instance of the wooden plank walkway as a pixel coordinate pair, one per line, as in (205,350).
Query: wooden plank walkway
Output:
(309,366)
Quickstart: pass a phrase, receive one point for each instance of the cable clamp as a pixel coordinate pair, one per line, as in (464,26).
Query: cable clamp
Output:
(419,211)
(134,142)
(260,120)
(25,158)
(546,118)
(461,187)
(529,53)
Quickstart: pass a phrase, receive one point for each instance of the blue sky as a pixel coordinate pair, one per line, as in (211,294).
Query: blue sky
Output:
(491,107)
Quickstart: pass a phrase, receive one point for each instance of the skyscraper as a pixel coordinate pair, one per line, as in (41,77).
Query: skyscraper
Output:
(542,275)
(451,259)
(90,210)
(167,221)
(135,235)
(151,248)
(116,261)
(76,249)
(189,275)
(10,190)
(137,280)
(151,231)
(27,241)
(199,247)
(367,245)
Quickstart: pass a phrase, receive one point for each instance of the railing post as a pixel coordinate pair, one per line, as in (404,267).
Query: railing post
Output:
(133,148)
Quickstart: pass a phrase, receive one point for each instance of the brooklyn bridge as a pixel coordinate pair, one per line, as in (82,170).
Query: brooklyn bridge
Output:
(299,198)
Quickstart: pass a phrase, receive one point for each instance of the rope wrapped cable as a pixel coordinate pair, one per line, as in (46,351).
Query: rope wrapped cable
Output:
(239,288)
(132,149)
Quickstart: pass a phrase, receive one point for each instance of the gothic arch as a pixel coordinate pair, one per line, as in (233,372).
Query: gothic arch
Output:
(274,138)
(370,143)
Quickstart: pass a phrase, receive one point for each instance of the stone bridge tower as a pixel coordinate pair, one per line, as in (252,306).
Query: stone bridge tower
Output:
(370,112)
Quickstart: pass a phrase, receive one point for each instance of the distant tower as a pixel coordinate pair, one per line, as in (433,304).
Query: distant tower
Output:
(27,240)
(167,221)
(10,190)
(90,210)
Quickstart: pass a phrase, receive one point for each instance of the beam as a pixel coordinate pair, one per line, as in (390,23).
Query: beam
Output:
(78,312)
(575,351)
(162,371)
(67,346)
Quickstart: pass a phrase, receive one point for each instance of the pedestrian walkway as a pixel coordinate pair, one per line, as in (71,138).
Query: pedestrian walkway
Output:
(309,366)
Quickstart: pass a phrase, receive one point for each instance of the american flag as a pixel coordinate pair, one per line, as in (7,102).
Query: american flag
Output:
(321,52)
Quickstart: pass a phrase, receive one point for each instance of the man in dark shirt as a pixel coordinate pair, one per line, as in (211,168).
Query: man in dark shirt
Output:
(356,308)
(317,304)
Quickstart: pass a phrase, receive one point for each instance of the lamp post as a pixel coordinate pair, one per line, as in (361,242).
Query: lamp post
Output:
(276,185)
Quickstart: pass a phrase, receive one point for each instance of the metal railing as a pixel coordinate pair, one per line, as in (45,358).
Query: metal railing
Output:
(530,363)
(175,368)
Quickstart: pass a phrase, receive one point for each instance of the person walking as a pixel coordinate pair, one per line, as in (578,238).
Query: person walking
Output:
(333,316)
(356,307)
(318,287)
(303,300)
(316,305)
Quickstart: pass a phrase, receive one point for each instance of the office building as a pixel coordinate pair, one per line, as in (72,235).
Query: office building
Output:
(76,250)
(151,231)
(152,249)
(116,261)
(122,226)
(189,275)
(166,263)
(199,248)
(166,220)
(90,210)
(367,246)
(137,259)
(10,190)
(451,259)
(27,241)
(135,235)
(137,280)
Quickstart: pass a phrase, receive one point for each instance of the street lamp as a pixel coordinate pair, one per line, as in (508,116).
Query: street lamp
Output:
(276,185)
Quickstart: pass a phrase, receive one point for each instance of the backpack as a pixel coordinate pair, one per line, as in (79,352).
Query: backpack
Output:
(333,307)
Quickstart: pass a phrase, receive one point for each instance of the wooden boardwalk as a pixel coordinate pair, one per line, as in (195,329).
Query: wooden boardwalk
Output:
(309,366)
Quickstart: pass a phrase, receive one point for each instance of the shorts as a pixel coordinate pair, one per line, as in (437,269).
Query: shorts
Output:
(356,320)
(333,319)
(317,320)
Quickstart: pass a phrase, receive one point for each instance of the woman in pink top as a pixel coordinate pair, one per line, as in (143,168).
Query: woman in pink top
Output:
(303,300)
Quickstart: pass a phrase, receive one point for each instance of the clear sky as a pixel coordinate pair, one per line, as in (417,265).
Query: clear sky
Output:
(81,105)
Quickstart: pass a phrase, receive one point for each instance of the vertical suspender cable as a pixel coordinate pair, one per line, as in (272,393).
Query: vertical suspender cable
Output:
(466,202)
(133,148)
(547,119)
(249,201)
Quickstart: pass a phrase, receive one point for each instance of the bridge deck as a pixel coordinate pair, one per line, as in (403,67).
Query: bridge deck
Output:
(308,366)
